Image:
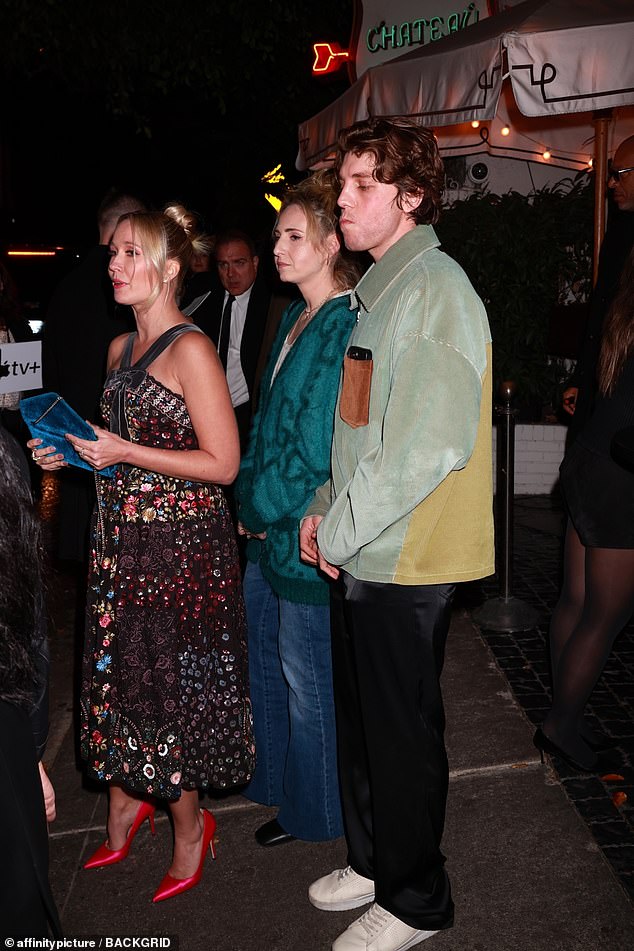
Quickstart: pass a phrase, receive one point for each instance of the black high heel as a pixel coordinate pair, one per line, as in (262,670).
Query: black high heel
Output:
(598,742)
(544,745)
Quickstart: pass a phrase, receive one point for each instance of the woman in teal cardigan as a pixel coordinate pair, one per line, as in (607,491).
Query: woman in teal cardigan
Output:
(288,458)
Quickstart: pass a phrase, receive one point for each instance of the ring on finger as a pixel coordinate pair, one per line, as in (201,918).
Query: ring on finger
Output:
(33,455)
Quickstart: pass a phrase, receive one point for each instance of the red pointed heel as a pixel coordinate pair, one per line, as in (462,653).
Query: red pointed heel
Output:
(105,856)
(174,886)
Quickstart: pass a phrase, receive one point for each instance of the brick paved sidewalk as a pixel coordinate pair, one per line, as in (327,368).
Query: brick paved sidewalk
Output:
(523,658)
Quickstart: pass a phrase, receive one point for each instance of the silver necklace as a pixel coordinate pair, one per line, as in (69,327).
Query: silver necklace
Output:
(305,318)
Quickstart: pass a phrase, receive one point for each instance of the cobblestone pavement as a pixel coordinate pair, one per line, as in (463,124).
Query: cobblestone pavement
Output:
(523,658)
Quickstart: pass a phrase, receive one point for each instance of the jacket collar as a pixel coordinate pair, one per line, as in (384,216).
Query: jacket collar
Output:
(380,276)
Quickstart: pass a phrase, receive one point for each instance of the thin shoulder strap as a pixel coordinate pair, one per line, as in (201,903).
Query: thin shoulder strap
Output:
(127,352)
(126,376)
(162,343)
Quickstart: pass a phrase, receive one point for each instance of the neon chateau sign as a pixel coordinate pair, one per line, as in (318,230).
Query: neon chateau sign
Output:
(420,31)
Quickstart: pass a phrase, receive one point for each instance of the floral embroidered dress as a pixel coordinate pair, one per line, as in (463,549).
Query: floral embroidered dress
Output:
(165,676)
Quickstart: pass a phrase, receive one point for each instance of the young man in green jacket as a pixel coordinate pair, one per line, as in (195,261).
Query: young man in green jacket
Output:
(406,515)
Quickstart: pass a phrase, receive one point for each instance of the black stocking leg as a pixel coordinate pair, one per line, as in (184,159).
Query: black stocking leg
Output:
(569,607)
(581,657)
(568,610)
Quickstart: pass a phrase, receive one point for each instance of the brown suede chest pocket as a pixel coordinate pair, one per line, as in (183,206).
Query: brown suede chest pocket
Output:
(354,405)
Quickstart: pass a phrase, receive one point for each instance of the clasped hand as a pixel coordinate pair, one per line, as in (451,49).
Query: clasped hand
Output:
(245,531)
(107,450)
(309,549)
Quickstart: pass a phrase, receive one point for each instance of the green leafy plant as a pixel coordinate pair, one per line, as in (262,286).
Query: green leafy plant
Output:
(524,254)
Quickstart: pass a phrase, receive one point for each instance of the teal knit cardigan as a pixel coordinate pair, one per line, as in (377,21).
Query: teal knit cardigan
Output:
(289,446)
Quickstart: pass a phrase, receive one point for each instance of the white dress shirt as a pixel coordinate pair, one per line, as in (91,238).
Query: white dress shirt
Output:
(235,377)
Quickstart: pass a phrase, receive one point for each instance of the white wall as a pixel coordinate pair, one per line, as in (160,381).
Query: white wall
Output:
(539,450)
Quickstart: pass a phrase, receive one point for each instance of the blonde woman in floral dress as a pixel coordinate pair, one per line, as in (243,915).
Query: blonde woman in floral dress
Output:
(164,709)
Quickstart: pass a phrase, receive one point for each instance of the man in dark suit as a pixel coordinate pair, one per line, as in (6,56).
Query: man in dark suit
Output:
(234,316)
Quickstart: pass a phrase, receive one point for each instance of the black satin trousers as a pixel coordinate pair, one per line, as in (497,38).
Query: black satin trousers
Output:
(388,652)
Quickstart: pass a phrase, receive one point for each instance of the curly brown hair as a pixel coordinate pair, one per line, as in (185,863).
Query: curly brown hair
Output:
(406,155)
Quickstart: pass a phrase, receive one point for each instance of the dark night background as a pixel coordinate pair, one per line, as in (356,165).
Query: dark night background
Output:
(192,100)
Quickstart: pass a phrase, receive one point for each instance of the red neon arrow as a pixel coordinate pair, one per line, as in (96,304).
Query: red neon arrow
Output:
(328,57)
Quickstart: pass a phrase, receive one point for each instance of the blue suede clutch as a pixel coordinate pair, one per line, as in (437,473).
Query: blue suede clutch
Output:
(49,418)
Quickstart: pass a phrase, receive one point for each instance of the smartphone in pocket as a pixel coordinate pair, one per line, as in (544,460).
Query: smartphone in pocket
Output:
(359,353)
(354,403)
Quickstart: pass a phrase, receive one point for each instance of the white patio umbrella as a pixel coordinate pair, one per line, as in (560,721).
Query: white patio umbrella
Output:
(559,57)
(567,140)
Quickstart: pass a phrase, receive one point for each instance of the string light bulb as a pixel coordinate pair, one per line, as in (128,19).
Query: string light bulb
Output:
(505,130)
(546,155)
(475,124)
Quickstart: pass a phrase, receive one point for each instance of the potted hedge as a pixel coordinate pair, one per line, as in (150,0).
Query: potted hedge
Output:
(525,254)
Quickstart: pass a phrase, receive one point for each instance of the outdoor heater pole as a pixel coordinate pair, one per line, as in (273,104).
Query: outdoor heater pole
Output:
(505,613)
(506,491)
(601,120)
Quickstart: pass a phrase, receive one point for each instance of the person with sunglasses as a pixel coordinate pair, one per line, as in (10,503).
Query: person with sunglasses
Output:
(580,394)
(620,178)
(614,174)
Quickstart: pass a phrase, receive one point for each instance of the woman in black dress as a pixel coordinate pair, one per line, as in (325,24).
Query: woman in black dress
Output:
(164,705)
(597,597)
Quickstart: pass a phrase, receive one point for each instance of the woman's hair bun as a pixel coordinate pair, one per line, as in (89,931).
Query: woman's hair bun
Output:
(190,222)
(186,219)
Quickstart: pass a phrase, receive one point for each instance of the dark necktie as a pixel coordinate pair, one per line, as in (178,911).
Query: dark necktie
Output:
(225,330)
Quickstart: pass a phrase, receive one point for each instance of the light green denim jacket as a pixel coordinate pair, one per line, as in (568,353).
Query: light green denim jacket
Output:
(410,496)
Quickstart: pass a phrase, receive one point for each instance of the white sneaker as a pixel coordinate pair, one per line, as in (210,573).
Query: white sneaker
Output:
(378,930)
(341,890)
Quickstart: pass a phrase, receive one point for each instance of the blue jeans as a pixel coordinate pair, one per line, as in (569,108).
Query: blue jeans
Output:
(293,711)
